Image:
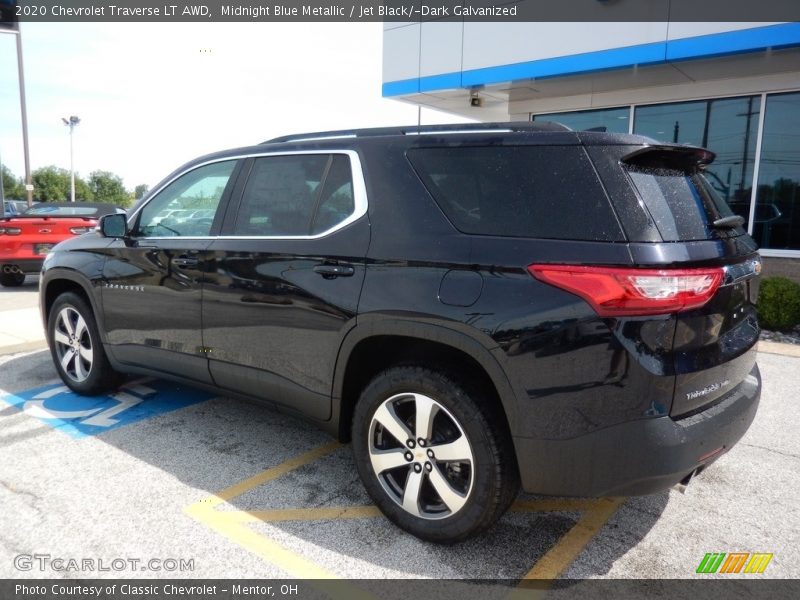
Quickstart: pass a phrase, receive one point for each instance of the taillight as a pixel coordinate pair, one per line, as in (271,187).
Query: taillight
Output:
(81,230)
(616,291)
(10,230)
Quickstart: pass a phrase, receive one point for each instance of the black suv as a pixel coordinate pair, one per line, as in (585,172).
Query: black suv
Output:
(476,307)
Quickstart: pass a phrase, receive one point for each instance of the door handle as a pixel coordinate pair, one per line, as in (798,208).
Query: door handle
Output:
(182,262)
(329,271)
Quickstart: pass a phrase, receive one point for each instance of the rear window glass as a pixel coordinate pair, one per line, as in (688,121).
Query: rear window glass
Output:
(518,191)
(683,204)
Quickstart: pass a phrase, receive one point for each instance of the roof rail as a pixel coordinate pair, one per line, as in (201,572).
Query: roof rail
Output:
(424,130)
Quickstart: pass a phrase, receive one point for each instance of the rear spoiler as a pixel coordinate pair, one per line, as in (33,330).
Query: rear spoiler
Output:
(25,216)
(669,156)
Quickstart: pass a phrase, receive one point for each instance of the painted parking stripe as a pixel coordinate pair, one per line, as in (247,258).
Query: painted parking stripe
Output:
(227,523)
(81,416)
(233,524)
(556,560)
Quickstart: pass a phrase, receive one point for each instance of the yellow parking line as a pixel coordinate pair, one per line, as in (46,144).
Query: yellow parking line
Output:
(265,476)
(307,514)
(234,526)
(556,560)
(553,505)
(258,544)
(227,524)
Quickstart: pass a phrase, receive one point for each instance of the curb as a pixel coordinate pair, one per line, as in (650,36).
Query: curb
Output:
(779,348)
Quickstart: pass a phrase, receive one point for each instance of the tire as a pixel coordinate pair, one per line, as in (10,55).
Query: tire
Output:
(12,279)
(75,346)
(451,496)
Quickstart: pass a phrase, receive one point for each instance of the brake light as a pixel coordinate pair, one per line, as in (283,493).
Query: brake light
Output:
(10,230)
(615,291)
(81,230)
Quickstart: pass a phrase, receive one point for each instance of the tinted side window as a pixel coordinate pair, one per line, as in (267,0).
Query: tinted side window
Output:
(295,195)
(519,191)
(336,201)
(186,207)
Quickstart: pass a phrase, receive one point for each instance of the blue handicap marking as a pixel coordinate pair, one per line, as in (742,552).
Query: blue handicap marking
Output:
(81,416)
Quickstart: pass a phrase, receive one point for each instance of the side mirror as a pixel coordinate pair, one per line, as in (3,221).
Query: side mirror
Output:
(114,226)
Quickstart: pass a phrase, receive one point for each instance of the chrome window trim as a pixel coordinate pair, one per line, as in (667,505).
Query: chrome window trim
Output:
(360,202)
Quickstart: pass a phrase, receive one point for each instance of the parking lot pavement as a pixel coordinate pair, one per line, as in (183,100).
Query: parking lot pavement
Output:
(239,490)
(20,324)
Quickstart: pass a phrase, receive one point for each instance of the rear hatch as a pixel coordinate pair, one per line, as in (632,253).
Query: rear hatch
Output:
(674,219)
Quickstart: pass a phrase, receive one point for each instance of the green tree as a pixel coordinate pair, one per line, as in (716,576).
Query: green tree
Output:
(52,184)
(13,188)
(83,193)
(140,191)
(108,187)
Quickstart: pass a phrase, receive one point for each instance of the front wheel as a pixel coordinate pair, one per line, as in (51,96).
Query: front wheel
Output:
(433,457)
(76,348)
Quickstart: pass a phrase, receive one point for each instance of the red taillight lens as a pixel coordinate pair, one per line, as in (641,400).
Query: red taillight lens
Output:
(616,292)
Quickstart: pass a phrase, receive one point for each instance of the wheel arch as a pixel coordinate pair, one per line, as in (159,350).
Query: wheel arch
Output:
(364,353)
(59,281)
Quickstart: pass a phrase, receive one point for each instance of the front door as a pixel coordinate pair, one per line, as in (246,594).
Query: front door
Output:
(152,282)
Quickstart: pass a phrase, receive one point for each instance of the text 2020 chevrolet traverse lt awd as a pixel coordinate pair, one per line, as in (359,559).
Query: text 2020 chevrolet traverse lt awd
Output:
(475,307)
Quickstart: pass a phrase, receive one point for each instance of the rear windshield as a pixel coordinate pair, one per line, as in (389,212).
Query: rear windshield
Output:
(683,204)
(519,191)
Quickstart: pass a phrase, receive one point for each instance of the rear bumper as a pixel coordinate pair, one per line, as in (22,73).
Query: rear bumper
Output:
(26,265)
(639,457)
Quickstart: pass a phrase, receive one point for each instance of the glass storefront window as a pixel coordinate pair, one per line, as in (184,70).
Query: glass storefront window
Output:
(777,219)
(615,120)
(727,126)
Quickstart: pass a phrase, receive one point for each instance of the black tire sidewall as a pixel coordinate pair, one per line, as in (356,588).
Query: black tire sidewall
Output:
(98,380)
(12,279)
(481,508)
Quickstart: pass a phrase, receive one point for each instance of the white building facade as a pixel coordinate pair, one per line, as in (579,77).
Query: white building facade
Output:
(731,87)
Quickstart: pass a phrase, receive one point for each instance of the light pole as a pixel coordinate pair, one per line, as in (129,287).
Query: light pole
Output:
(71,122)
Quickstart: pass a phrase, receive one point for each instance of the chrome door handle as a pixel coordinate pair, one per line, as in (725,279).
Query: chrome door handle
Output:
(183,262)
(331,271)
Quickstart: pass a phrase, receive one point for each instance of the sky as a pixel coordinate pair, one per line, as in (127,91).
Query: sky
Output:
(150,97)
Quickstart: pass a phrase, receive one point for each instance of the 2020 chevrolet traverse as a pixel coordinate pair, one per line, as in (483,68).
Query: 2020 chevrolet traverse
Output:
(476,307)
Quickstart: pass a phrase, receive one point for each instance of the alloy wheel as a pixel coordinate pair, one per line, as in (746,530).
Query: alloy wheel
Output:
(73,344)
(421,456)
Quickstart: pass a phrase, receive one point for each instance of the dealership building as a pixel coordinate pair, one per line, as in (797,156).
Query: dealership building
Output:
(730,87)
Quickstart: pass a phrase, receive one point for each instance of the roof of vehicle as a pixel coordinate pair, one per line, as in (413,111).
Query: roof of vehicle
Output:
(526,126)
(544,130)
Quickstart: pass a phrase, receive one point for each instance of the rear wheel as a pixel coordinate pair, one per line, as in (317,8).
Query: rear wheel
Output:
(12,279)
(76,348)
(431,455)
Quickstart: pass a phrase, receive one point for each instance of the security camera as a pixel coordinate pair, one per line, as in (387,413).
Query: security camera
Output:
(475,101)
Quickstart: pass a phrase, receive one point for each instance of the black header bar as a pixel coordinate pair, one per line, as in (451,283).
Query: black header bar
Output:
(143,11)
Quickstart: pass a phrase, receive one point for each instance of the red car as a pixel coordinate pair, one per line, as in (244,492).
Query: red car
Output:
(26,238)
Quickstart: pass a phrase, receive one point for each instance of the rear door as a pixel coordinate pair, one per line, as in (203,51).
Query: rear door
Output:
(152,286)
(662,196)
(284,278)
